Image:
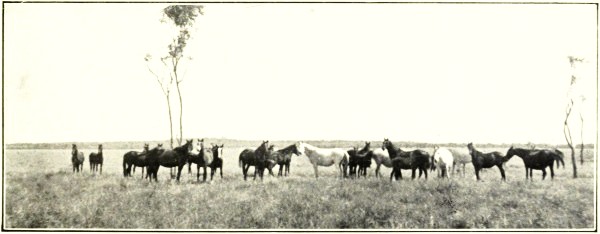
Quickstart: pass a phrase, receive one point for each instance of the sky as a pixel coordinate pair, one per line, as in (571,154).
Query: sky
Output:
(439,73)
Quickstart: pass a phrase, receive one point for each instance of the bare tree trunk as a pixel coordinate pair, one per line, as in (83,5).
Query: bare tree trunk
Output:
(569,139)
(170,119)
(180,112)
(581,132)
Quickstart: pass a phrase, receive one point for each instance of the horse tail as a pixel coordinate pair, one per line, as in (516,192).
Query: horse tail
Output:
(559,160)
(124,166)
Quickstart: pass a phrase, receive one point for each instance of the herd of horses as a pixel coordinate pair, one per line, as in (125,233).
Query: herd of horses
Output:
(351,163)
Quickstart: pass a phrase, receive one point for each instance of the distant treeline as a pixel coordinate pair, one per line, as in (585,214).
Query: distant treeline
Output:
(247,143)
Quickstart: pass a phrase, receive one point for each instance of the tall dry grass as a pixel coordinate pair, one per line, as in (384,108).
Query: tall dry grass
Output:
(47,194)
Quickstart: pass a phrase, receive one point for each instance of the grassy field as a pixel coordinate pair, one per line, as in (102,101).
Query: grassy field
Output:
(46,194)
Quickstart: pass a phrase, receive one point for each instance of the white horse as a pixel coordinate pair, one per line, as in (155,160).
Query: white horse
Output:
(443,160)
(381,156)
(324,157)
(461,158)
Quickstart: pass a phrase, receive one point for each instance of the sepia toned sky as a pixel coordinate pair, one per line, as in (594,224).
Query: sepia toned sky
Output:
(483,73)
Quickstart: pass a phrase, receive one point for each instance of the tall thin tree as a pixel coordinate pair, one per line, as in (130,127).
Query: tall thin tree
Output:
(183,17)
(165,87)
(566,128)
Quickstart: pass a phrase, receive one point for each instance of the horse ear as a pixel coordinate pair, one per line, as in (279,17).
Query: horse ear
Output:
(222,145)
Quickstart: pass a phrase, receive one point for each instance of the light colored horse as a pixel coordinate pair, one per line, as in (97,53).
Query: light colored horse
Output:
(443,160)
(381,156)
(461,158)
(324,157)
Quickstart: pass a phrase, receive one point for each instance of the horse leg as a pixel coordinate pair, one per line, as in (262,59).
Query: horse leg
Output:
(221,171)
(502,172)
(189,167)
(179,169)
(477,173)
(287,169)
(531,173)
(204,175)
(316,171)
(551,171)
(414,172)
(543,173)
(212,172)
(198,172)
(280,173)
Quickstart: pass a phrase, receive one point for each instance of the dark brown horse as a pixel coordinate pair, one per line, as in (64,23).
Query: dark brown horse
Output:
(283,158)
(135,159)
(96,159)
(176,157)
(256,158)
(537,159)
(486,160)
(404,160)
(77,159)
(203,159)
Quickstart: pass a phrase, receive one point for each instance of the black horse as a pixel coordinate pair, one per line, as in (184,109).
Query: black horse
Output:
(537,159)
(283,158)
(96,159)
(486,160)
(176,157)
(360,159)
(256,158)
(217,163)
(135,159)
(404,160)
(77,159)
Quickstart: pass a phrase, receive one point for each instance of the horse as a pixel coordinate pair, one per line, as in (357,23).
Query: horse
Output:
(134,158)
(413,160)
(77,159)
(486,160)
(461,158)
(217,162)
(443,160)
(176,157)
(537,159)
(283,158)
(381,157)
(256,158)
(271,159)
(96,159)
(203,159)
(324,157)
(360,159)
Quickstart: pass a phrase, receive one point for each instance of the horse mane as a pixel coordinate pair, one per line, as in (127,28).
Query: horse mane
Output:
(261,150)
(394,150)
(182,148)
(287,150)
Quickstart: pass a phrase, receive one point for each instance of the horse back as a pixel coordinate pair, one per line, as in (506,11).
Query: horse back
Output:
(207,156)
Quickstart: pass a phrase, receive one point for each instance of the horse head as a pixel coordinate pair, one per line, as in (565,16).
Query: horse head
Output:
(471,148)
(364,150)
(146,147)
(296,151)
(385,144)
(100,148)
(217,151)
(300,147)
(263,150)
